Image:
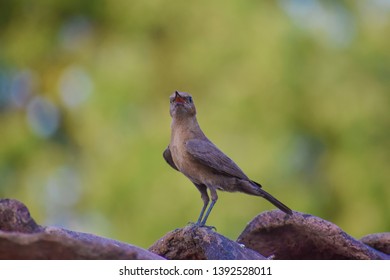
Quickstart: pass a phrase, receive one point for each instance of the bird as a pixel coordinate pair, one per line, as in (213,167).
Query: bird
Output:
(207,167)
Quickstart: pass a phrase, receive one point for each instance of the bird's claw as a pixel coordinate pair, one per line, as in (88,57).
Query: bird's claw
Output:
(198,224)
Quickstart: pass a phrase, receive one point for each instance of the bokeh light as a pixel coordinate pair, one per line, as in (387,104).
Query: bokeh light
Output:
(43,117)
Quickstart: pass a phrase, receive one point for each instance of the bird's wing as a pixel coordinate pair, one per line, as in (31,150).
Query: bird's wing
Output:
(168,158)
(208,154)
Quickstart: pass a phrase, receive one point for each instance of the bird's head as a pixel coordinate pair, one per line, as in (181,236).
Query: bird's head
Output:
(182,105)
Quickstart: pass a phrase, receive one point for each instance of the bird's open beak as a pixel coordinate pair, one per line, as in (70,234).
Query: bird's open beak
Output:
(178,98)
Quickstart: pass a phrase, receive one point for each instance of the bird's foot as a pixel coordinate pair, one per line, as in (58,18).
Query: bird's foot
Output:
(198,224)
(210,227)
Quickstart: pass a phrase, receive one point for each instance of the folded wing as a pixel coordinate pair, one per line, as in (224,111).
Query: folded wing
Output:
(208,154)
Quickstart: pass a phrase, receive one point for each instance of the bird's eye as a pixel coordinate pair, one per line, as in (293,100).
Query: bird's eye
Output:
(190,99)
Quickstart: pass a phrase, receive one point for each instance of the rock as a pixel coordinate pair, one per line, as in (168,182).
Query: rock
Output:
(14,216)
(379,241)
(201,243)
(269,235)
(302,236)
(22,238)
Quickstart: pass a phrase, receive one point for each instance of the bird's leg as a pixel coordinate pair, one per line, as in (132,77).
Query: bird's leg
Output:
(205,198)
(214,198)
(202,213)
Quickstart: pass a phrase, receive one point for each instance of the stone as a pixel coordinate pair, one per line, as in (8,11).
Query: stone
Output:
(379,241)
(303,236)
(22,238)
(201,243)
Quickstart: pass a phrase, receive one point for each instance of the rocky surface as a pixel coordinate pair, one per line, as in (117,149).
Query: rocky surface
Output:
(270,235)
(201,243)
(303,236)
(22,238)
(379,241)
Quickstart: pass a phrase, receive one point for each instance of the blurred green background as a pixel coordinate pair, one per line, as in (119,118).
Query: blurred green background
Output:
(296,92)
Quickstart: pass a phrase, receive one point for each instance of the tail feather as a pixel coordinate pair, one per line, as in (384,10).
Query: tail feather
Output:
(260,192)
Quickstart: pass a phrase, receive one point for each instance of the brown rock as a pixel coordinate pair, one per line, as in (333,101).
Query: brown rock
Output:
(22,238)
(14,216)
(201,243)
(302,236)
(379,241)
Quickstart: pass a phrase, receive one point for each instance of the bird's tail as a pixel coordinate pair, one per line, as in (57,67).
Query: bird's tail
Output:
(257,190)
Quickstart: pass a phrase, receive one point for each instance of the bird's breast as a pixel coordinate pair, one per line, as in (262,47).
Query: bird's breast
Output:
(191,168)
(183,160)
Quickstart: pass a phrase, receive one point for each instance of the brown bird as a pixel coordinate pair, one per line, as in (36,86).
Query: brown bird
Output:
(194,155)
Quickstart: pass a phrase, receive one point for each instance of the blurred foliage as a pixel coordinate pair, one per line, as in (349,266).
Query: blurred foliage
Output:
(296,92)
